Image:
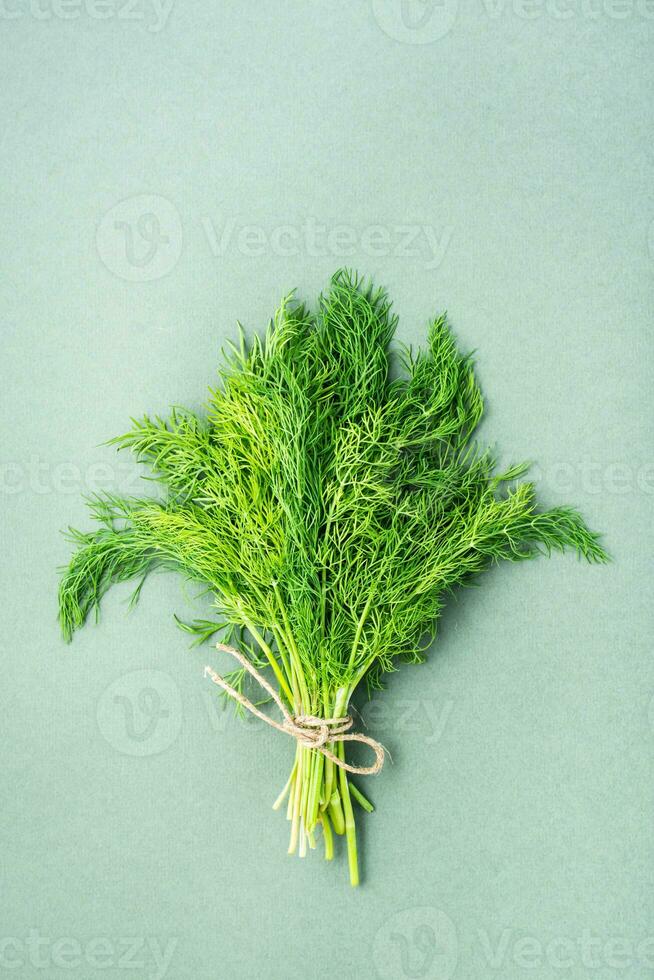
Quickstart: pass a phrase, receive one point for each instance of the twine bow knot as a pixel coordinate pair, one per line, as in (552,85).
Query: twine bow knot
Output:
(308,730)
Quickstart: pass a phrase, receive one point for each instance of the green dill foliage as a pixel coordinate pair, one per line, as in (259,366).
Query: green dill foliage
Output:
(329,504)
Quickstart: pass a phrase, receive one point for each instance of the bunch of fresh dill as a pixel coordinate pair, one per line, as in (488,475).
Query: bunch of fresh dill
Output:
(329,505)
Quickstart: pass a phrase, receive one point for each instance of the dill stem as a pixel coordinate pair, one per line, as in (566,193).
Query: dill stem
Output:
(336,812)
(350,827)
(297,789)
(359,630)
(329,765)
(307,789)
(314,795)
(306,782)
(272,660)
(282,796)
(333,797)
(328,781)
(291,795)
(266,649)
(281,644)
(358,677)
(293,650)
(362,800)
(328,836)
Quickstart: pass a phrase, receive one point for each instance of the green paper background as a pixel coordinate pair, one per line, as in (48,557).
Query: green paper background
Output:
(166,170)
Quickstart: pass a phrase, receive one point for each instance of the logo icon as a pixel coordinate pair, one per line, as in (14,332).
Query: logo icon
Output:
(415,21)
(140,238)
(140,713)
(417,944)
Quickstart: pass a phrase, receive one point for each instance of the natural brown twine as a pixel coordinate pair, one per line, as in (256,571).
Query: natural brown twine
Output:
(308,730)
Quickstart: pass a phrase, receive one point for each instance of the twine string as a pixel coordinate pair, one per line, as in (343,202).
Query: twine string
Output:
(308,730)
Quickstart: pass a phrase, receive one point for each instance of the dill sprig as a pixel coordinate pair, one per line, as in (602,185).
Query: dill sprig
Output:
(329,498)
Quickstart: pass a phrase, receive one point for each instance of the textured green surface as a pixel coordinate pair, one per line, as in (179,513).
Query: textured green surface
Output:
(508,154)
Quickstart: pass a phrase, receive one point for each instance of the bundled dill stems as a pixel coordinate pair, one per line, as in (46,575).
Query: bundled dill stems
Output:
(329,504)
